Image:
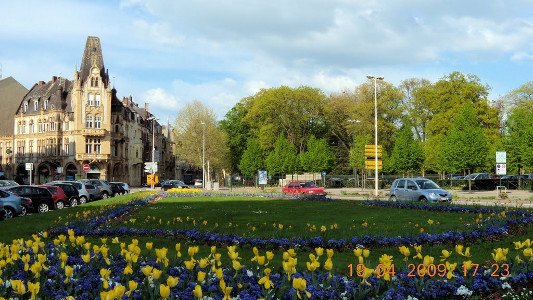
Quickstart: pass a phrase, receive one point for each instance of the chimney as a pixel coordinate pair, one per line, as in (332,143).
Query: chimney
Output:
(41,82)
(125,101)
(54,79)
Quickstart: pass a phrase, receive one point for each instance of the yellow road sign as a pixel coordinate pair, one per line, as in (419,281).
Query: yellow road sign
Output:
(371,165)
(152,179)
(370,151)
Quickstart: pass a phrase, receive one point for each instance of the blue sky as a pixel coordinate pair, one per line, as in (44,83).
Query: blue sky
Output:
(171,52)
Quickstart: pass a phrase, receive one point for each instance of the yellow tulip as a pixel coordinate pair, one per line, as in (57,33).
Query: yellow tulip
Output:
(149,245)
(358,252)
(164,291)
(200,276)
(328,264)
(319,251)
(450,267)
(265,280)
(366,253)
(528,252)
(227,293)
(172,281)
(128,270)
(329,253)
(132,285)
(34,288)
(18,287)
(69,271)
(86,257)
(428,260)
(198,292)
(189,264)
(156,273)
(445,255)
(300,285)
(236,265)
(405,252)
(119,291)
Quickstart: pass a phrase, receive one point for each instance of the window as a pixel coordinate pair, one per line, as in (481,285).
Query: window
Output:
(92,145)
(65,146)
(94,81)
(25,109)
(411,185)
(88,121)
(35,105)
(97,122)
(45,104)
(31,147)
(32,127)
(65,125)
(97,100)
(90,100)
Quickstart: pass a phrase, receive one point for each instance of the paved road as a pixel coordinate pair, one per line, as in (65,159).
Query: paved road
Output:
(515,198)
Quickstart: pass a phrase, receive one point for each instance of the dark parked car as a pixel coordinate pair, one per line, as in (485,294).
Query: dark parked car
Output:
(27,205)
(11,203)
(41,197)
(101,184)
(94,192)
(171,184)
(71,193)
(117,189)
(124,185)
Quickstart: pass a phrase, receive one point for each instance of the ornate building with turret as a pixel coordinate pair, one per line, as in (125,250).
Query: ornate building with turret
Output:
(62,125)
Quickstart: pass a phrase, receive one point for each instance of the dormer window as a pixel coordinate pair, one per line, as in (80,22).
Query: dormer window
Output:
(94,81)
(45,105)
(35,105)
(25,108)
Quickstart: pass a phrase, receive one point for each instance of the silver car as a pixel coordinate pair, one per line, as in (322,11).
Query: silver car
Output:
(12,204)
(124,185)
(101,184)
(80,186)
(418,189)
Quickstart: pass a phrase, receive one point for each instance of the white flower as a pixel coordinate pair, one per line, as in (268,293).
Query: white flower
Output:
(249,273)
(411,298)
(463,291)
(506,285)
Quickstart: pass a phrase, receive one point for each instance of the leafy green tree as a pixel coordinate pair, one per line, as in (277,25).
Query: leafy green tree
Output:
(318,156)
(283,159)
(357,152)
(237,131)
(519,137)
(294,112)
(416,108)
(252,159)
(189,133)
(407,155)
(465,146)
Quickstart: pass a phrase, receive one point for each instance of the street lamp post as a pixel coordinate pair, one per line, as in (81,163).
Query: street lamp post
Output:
(203,155)
(152,118)
(376,177)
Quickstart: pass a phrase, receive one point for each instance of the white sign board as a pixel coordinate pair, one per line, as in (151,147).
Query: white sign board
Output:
(501,169)
(263,177)
(501,157)
(29,166)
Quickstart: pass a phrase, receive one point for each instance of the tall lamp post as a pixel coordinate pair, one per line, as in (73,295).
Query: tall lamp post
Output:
(376,177)
(152,118)
(203,155)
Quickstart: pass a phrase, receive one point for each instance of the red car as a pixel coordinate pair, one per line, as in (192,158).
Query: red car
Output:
(303,187)
(60,199)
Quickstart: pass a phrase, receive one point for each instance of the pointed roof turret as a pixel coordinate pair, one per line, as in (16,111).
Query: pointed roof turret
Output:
(92,57)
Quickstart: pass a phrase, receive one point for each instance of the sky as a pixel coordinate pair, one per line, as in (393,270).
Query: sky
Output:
(169,53)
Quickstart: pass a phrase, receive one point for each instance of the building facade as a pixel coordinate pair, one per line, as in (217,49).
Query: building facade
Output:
(63,125)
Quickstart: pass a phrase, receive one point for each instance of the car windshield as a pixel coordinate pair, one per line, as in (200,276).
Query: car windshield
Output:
(427,185)
(471,176)
(307,184)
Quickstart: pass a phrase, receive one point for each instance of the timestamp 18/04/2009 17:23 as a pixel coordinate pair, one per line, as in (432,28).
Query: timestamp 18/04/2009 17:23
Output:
(431,270)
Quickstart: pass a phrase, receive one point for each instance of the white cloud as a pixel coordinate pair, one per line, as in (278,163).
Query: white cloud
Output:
(160,99)
(522,56)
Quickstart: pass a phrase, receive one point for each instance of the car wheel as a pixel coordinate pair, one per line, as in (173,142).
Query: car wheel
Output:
(24,211)
(83,200)
(423,199)
(43,207)
(393,198)
(74,202)
(59,205)
(10,213)
(105,195)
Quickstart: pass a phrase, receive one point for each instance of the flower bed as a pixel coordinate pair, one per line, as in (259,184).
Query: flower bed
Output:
(488,229)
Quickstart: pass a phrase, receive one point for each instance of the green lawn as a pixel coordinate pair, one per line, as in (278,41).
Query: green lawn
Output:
(267,218)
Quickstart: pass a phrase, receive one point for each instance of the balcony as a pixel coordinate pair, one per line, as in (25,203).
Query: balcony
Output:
(92,156)
(94,131)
